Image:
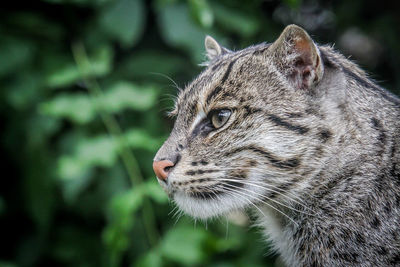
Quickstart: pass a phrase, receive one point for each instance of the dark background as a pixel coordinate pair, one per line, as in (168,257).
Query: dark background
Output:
(85,85)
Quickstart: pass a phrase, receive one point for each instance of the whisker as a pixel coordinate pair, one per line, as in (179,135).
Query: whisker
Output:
(227,229)
(263,185)
(169,213)
(262,173)
(271,206)
(273,200)
(167,77)
(178,213)
(269,189)
(242,195)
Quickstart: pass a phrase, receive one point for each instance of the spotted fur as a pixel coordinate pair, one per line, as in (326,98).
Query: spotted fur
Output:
(312,146)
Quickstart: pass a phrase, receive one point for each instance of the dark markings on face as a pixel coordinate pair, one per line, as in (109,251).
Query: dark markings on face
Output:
(325,135)
(226,95)
(191,181)
(319,151)
(232,185)
(203,128)
(205,192)
(200,172)
(250,110)
(283,123)
(192,109)
(228,71)
(238,173)
(295,115)
(218,88)
(205,195)
(213,93)
(252,163)
(312,111)
(274,160)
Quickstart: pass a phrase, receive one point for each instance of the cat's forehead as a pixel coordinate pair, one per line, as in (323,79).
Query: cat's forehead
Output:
(227,73)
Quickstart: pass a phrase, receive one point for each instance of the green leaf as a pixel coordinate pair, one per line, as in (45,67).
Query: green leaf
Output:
(294,4)
(74,245)
(38,26)
(96,151)
(236,20)
(74,183)
(123,205)
(150,64)
(150,259)
(64,71)
(78,108)
(100,151)
(81,108)
(123,95)
(124,21)
(121,219)
(154,190)
(101,61)
(138,138)
(179,30)
(24,90)
(202,12)
(184,244)
(14,54)
(63,75)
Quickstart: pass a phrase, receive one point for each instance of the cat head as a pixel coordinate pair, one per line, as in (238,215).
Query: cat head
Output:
(247,130)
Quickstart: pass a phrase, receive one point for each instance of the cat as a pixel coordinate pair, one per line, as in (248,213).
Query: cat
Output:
(298,133)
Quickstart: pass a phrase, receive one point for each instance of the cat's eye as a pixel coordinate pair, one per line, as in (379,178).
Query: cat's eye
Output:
(220,117)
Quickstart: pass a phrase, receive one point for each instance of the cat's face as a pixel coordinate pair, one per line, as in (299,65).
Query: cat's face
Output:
(242,133)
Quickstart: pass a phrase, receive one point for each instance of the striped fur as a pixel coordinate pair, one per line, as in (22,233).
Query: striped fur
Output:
(312,146)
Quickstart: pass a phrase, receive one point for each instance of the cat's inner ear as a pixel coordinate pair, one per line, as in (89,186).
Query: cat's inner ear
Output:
(213,48)
(298,57)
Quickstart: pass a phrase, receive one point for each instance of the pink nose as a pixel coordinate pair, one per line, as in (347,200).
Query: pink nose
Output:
(161,168)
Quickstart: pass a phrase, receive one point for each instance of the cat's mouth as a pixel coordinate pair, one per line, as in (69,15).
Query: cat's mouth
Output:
(201,188)
(202,192)
(204,201)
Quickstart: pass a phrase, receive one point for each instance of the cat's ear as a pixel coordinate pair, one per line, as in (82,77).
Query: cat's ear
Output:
(213,48)
(298,57)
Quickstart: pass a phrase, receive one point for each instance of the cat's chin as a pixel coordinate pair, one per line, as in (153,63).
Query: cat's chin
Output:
(205,208)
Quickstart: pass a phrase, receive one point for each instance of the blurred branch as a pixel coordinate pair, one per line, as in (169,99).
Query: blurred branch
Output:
(114,130)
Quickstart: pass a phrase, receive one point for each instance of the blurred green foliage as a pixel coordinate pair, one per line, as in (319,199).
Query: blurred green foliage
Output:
(85,86)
